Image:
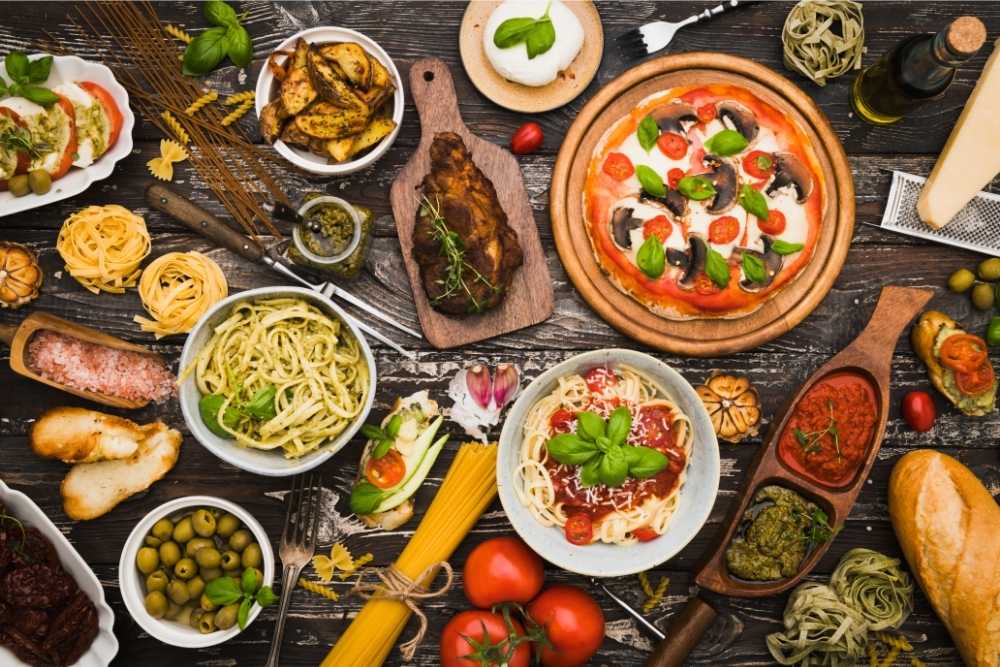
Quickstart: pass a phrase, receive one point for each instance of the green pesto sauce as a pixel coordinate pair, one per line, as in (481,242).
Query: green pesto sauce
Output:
(336,230)
(92,124)
(773,542)
(48,133)
(8,157)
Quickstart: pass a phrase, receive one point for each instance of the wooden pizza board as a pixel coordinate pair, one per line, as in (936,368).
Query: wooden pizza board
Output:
(529,299)
(704,337)
(530,99)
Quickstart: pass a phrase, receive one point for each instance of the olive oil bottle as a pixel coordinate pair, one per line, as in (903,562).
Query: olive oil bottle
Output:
(918,69)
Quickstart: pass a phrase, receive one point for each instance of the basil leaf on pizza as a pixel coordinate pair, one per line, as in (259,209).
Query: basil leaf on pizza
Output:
(785,248)
(697,188)
(754,269)
(648,133)
(650,181)
(753,202)
(717,268)
(726,143)
(650,257)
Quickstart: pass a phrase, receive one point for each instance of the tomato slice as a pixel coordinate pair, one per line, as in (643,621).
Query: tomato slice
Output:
(758,164)
(561,420)
(977,381)
(673,145)
(69,151)
(706,113)
(724,229)
(111,110)
(645,534)
(387,471)
(659,226)
(963,352)
(703,285)
(618,166)
(674,177)
(599,377)
(775,223)
(579,529)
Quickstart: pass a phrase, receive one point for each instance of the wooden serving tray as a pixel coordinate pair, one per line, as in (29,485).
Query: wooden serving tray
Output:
(706,336)
(529,299)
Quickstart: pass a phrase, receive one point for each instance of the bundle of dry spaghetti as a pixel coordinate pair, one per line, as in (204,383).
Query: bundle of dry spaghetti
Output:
(103,247)
(177,289)
(467,490)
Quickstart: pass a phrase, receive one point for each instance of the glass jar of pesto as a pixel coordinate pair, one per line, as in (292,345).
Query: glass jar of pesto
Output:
(333,237)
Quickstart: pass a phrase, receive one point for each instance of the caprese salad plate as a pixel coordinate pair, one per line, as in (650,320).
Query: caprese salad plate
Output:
(52,151)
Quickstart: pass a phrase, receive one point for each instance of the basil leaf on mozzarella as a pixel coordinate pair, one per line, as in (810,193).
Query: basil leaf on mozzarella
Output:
(648,133)
(650,181)
(717,268)
(726,143)
(650,257)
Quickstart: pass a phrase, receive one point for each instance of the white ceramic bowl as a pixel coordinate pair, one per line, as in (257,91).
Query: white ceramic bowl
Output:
(260,462)
(697,495)
(309,161)
(105,646)
(131,581)
(76,180)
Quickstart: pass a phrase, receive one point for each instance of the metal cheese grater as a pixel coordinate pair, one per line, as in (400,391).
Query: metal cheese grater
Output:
(976,227)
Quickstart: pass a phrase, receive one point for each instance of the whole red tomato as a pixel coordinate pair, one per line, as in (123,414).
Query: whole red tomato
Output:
(527,139)
(502,569)
(919,411)
(489,632)
(573,622)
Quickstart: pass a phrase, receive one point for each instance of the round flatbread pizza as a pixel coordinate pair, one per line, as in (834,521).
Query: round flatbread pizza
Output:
(703,202)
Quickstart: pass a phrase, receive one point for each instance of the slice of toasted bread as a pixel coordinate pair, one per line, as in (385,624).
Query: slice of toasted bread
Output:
(79,435)
(91,490)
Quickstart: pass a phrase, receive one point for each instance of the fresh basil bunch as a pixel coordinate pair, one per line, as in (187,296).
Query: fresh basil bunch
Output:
(538,34)
(383,438)
(227,38)
(260,407)
(24,75)
(599,446)
(224,591)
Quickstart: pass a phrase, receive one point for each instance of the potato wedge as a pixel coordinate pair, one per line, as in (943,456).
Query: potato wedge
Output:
(297,91)
(353,60)
(293,136)
(271,118)
(377,130)
(300,56)
(326,121)
(380,75)
(331,88)
(340,150)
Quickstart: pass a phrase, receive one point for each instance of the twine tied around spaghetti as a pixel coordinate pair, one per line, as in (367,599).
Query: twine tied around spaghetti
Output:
(394,585)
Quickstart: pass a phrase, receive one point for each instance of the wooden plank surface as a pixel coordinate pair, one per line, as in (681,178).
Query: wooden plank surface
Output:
(413,30)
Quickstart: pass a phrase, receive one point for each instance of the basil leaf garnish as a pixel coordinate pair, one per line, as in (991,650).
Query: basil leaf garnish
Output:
(589,473)
(209,406)
(39,69)
(261,406)
(785,248)
(697,188)
(717,268)
(239,48)
(205,51)
(513,31)
(17,66)
(392,428)
(754,268)
(614,467)
(753,202)
(365,497)
(372,432)
(222,591)
(590,425)
(650,181)
(381,449)
(39,95)
(619,425)
(243,615)
(726,143)
(219,13)
(541,39)
(648,133)
(644,462)
(538,34)
(650,257)
(571,449)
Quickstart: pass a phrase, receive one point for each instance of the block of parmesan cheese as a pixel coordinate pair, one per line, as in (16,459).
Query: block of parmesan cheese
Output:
(971,158)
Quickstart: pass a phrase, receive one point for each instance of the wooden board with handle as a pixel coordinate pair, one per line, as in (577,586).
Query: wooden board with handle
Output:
(529,299)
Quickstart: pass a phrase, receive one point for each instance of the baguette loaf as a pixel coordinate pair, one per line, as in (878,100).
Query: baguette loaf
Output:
(78,435)
(948,525)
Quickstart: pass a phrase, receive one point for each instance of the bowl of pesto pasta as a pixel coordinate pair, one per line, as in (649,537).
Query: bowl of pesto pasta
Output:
(275,380)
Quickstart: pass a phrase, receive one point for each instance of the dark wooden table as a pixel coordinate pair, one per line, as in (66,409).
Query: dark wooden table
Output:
(411,30)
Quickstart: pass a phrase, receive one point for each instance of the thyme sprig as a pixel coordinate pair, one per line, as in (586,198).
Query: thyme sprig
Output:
(18,139)
(453,249)
(810,441)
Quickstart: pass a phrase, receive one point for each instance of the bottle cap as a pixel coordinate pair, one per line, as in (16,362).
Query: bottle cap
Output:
(966,35)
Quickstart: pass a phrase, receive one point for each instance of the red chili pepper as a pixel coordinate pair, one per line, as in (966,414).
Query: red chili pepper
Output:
(527,139)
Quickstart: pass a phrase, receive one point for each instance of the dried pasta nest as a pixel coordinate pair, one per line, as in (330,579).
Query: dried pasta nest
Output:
(732,404)
(20,275)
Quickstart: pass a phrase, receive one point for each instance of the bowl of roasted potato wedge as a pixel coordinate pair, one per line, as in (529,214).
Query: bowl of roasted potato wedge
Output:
(330,101)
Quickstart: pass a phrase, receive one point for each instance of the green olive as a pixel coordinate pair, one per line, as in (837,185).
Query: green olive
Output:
(207,604)
(211,573)
(39,181)
(192,547)
(184,616)
(185,568)
(206,623)
(961,281)
(239,540)
(259,579)
(195,587)
(226,617)
(157,581)
(178,592)
(208,557)
(153,541)
(225,527)
(252,556)
(196,614)
(230,560)
(156,604)
(173,611)
(170,553)
(183,531)
(147,560)
(163,529)
(203,523)
(18,185)
(982,296)
(989,269)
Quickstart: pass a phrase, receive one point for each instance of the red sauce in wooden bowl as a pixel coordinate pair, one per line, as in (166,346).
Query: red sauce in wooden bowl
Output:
(830,429)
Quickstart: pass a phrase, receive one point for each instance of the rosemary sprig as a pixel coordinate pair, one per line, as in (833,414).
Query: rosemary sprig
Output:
(810,442)
(18,139)
(819,529)
(453,250)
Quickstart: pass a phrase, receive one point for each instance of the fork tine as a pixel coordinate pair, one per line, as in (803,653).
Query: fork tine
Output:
(289,501)
(316,512)
(302,519)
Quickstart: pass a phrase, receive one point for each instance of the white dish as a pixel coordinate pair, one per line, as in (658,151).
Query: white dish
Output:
(309,161)
(105,646)
(268,463)
(697,495)
(66,69)
(131,582)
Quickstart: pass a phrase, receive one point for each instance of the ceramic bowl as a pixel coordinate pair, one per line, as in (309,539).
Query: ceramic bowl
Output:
(261,462)
(697,494)
(131,581)
(315,164)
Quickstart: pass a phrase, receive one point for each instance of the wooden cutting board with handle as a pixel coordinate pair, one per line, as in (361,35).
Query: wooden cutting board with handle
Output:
(529,299)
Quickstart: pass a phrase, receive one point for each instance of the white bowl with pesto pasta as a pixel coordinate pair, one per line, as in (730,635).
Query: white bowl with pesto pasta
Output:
(695,498)
(269,462)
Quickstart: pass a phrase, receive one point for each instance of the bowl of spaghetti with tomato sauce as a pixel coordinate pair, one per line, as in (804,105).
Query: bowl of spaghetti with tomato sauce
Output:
(608,463)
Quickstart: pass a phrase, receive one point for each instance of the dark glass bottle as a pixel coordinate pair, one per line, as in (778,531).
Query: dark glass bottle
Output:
(916,70)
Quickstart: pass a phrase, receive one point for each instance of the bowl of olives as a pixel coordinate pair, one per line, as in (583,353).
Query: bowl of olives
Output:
(195,570)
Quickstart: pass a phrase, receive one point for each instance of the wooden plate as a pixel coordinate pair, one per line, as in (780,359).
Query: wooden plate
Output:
(529,99)
(706,336)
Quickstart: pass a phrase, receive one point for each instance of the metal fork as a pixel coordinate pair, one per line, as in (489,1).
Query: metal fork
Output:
(652,37)
(298,544)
